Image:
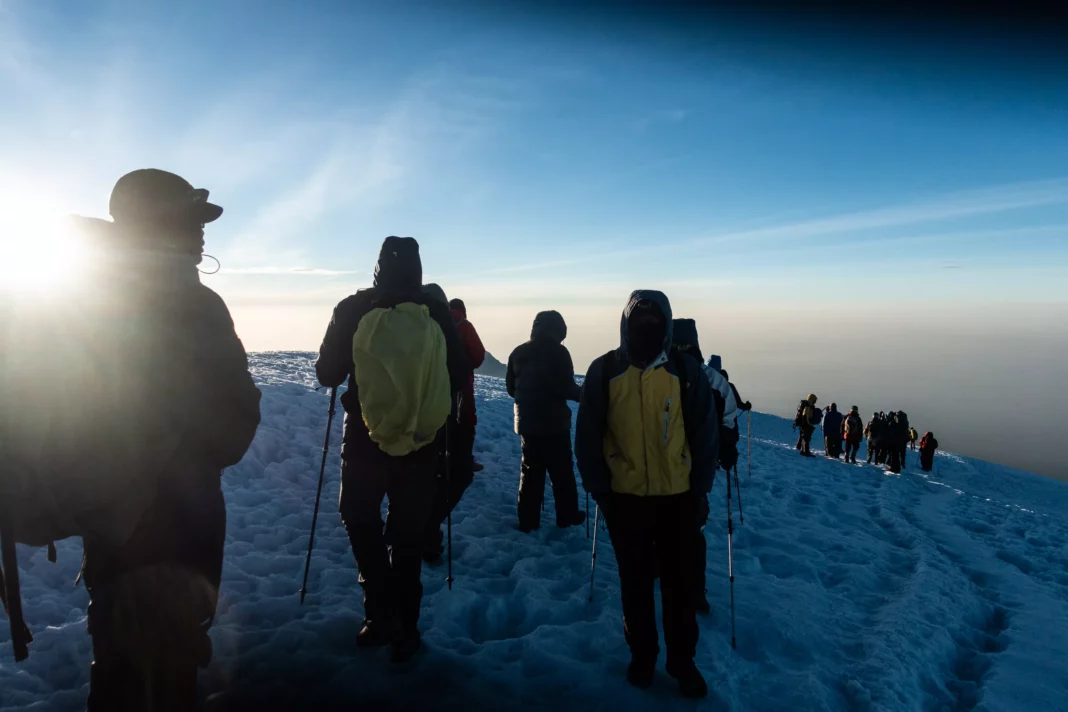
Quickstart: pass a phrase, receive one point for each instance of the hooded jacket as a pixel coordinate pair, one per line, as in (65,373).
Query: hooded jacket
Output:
(684,336)
(398,279)
(637,432)
(832,424)
(541,378)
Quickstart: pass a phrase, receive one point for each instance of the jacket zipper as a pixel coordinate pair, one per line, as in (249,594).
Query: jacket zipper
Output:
(667,419)
(641,415)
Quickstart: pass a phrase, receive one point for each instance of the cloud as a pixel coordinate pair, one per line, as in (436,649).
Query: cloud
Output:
(950,265)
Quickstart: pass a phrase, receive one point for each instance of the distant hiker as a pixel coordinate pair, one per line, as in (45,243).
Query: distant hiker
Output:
(852,433)
(880,431)
(832,431)
(742,405)
(928,445)
(904,434)
(541,379)
(913,435)
(391,432)
(895,440)
(122,401)
(685,341)
(872,432)
(646,443)
(807,418)
(454,471)
(476,354)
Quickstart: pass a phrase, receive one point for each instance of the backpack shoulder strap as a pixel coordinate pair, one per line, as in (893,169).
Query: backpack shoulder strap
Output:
(606,378)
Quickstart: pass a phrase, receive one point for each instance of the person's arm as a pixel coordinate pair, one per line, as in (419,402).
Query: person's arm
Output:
(730,405)
(335,353)
(476,352)
(590,431)
(564,376)
(509,376)
(224,402)
(702,431)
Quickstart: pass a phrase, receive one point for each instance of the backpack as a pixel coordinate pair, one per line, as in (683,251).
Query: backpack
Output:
(83,435)
(401,376)
(815,416)
(854,426)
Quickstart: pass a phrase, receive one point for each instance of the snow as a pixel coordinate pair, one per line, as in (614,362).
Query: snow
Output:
(856,589)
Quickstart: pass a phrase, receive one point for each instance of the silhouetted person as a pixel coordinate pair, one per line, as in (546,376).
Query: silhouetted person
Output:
(928,446)
(832,431)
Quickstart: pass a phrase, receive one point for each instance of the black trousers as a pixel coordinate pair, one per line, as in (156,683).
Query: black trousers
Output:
(449,490)
(926,460)
(833,445)
(701,544)
(851,450)
(894,460)
(390,562)
(636,525)
(804,440)
(547,454)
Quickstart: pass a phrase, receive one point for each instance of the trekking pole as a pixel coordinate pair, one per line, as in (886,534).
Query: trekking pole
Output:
(749,445)
(587,515)
(593,557)
(319,492)
(730,555)
(738,491)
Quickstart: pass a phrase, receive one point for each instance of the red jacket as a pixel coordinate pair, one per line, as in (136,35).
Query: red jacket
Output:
(476,354)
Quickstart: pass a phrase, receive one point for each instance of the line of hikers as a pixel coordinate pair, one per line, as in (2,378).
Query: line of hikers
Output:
(122,402)
(889,435)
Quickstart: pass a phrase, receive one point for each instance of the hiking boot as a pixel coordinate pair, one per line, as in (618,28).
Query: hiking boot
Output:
(640,674)
(406,644)
(433,548)
(701,604)
(579,517)
(527,529)
(691,683)
(477,466)
(374,635)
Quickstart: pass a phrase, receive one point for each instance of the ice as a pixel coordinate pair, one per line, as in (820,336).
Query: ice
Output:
(855,591)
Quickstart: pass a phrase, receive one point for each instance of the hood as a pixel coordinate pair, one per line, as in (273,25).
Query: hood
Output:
(436,292)
(550,326)
(714,361)
(399,269)
(684,333)
(459,309)
(638,297)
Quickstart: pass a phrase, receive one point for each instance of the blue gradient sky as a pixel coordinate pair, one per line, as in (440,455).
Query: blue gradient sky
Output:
(847,203)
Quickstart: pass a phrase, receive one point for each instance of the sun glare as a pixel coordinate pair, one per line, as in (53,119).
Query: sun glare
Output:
(39,252)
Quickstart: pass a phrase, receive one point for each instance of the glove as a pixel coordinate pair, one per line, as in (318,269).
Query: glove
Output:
(747,406)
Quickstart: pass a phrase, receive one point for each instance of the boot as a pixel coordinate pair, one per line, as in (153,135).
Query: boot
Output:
(433,548)
(374,635)
(406,644)
(640,674)
(579,517)
(701,604)
(477,466)
(692,684)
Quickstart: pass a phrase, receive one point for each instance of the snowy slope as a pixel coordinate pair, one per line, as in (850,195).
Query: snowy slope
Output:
(856,590)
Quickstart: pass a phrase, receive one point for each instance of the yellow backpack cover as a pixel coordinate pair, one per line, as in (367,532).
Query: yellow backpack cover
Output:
(402,377)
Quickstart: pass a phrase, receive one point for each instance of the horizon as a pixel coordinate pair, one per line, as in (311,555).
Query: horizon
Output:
(873,214)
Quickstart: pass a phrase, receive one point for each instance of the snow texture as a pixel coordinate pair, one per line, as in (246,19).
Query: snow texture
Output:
(856,589)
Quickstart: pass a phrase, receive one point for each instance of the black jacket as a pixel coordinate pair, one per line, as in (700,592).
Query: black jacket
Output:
(832,424)
(541,378)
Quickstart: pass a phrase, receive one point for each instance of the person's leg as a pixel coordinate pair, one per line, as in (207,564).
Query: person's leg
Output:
(700,554)
(411,490)
(363,487)
(675,546)
(630,522)
(531,483)
(561,468)
(117,681)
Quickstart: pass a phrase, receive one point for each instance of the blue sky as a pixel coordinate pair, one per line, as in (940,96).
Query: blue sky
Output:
(555,167)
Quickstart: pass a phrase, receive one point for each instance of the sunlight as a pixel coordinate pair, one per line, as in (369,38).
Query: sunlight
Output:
(39,251)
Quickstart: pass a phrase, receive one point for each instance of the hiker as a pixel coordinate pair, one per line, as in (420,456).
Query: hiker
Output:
(871,432)
(391,442)
(454,474)
(541,379)
(646,442)
(742,405)
(928,445)
(903,437)
(895,439)
(852,434)
(832,431)
(122,401)
(881,431)
(913,436)
(685,341)
(807,418)
(476,354)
